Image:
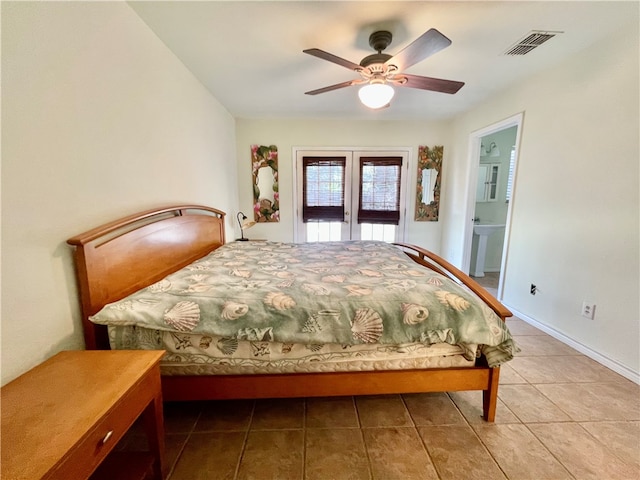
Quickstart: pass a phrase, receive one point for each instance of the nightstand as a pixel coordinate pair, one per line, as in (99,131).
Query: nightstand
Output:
(61,419)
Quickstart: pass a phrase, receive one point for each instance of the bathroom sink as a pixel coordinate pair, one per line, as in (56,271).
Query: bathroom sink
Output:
(483,232)
(486,229)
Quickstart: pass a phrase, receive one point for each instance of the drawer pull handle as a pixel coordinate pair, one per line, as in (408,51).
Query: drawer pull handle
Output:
(107,437)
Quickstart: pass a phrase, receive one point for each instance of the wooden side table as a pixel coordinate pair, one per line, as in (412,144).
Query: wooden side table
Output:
(61,419)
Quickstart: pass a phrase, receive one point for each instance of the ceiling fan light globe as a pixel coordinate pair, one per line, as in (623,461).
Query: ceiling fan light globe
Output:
(376,95)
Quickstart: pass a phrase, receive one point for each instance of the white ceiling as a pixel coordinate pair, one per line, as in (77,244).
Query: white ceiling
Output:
(249,53)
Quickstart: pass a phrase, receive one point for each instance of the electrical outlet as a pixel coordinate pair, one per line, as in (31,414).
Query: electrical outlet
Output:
(533,289)
(588,310)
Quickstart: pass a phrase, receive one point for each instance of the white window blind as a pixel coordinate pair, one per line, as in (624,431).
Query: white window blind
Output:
(512,161)
(323,189)
(379,199)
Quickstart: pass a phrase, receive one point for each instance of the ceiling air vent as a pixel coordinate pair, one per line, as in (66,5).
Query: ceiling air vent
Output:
(530,41)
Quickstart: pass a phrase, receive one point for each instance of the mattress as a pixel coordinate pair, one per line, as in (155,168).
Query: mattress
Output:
(196,354)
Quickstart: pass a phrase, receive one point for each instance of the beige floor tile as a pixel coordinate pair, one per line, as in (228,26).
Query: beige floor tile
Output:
(382,411)
(181,417)
(596,448)
(623,438)
(173,445)
(457,453)
(273,454)
(470,405)
(520,327)
(331,412)
(585,457)
(397,453)
(509,376)
(225,415)
(278,413)
(433,409)
(335,454)
(489,282)
(595,401)
(529,405)
(542,345)
(562,369)
(209,455)
(519,453)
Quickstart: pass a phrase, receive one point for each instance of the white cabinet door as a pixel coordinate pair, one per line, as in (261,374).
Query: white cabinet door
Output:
(487,187)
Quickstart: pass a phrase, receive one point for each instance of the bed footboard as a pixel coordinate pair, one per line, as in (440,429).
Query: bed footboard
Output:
(328,384)
(434,262)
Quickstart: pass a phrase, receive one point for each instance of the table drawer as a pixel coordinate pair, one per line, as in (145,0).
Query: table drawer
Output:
(94,447)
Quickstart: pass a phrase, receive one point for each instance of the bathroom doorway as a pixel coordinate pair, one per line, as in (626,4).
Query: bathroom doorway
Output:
(493,166)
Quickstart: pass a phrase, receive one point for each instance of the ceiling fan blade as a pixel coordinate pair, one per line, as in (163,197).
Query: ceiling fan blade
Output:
(316,52)
(332,87)
(434,84)
(430,42)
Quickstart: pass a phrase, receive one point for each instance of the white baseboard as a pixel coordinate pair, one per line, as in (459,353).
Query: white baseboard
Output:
(598,357)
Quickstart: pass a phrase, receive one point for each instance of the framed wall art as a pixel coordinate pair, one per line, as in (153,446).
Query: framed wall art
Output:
(428,185)
(266,199)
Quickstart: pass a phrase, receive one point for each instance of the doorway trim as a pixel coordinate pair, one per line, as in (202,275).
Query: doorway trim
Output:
(475,140)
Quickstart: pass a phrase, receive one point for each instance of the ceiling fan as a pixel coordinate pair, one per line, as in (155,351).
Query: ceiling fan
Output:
(380,70)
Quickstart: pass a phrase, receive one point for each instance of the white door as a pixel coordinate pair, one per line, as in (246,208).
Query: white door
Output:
(350,195)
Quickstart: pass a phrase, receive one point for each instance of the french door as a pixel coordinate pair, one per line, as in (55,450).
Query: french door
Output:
(350,195)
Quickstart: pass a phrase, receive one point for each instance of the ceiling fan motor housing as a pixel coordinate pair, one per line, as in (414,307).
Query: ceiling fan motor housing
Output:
(375,58)
(379,41)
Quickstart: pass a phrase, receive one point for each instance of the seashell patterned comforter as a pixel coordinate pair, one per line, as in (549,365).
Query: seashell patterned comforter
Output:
(348,293)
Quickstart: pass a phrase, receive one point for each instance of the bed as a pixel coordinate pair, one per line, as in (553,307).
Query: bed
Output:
(127,271)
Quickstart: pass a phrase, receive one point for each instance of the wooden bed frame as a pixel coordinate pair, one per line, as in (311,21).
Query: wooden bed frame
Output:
(121,257)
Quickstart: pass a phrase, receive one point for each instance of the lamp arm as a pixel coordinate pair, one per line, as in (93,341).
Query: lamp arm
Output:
(244,217)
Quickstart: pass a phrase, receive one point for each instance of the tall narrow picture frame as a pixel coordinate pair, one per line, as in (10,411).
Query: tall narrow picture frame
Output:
(429,180)
(266,199)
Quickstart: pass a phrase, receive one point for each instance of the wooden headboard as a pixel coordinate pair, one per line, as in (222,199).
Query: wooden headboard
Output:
(121,257)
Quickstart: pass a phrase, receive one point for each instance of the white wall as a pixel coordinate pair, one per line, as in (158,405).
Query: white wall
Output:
(575,225)
(99,120)
(286,134)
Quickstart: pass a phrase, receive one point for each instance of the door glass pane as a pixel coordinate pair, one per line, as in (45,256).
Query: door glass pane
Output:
(323,231)
(324,182)
(493,182)
(378,231)
(481,188)
(379,190)
(380,187)
(323,188)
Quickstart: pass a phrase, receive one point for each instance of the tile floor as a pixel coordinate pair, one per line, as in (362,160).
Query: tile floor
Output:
(561,415)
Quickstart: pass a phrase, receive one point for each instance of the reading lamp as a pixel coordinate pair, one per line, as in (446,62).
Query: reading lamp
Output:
(242,221)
